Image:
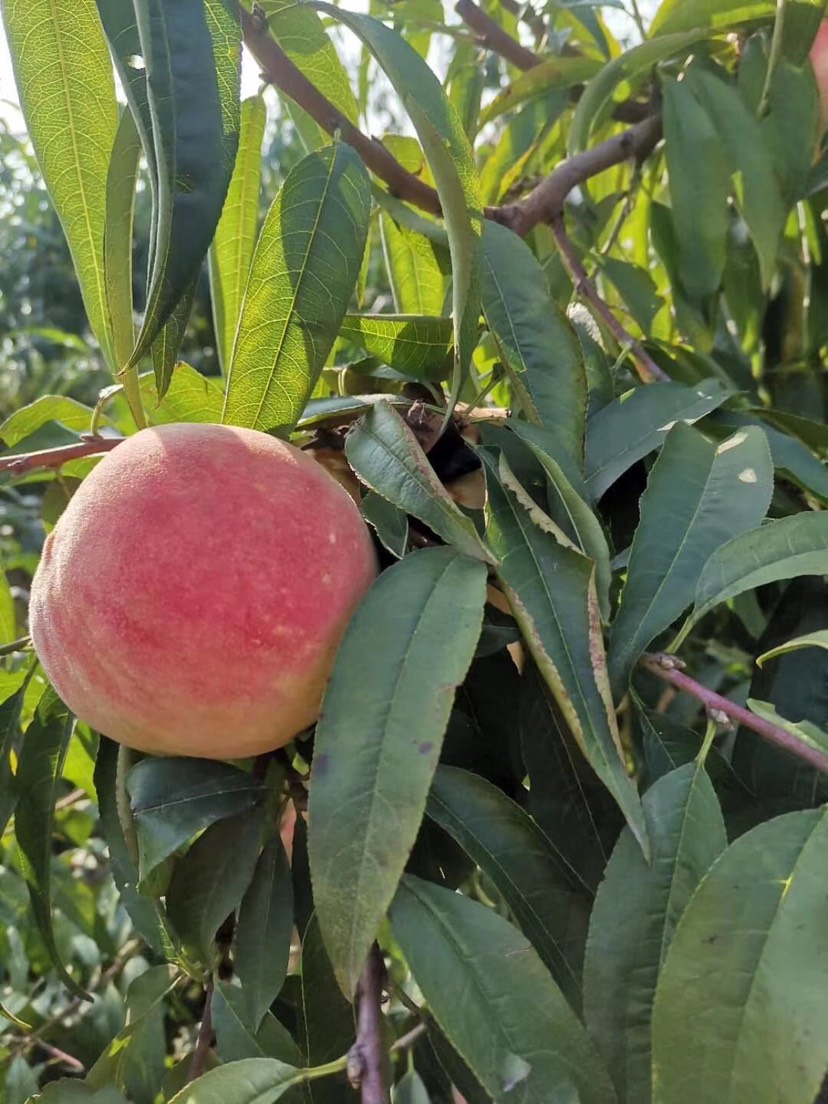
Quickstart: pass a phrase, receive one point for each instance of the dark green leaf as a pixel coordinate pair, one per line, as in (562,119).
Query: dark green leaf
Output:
(236,1037)
(249,1081)
(389,522)
(379,736)
(39,773)
(208,883)
(783,549)
(536,341)
(303,273)
(10,713)
(191,53)
(263,930)
(749,961)
(629,428)
(534,1049)
(146,913)
(172,799)
(551,589)
(120,204)
(699,199)
(164,349)
(386,456)
(521,863)
(635,915)
(698,495)
(327,1017)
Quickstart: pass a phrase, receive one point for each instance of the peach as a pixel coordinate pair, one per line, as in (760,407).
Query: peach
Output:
(192,596)
(819,61)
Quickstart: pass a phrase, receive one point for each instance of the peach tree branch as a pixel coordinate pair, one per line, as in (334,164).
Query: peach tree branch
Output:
(668,668)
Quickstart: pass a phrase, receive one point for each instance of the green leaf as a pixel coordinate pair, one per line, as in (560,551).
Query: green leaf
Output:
(411,1090)
(190,397)
(533,1049)
(809,640)
(804,731)
(683,15)
(782,549)
(622,73)
(146,913)
(389,522)
(327,1023)
(231,252)
(551,589)
(10,713)
(551,73)
(120,207)
(303,274)
(568,505)
(522,864)
(66,1091)
(387,457)
(698,199)
(237,1039)
(749,962)
(164,349)
(64,80)
(451,161)
(758,190)
(414,345)
(172,799)
(418,284)
(537,342)
(8,618)
(635,915)
(192,53)
(698,495)
(145,996)
(210,880)
(263,930)
(629,428)
(379,737)
(38,781)
(249,1081)
(48,408)
(302,35)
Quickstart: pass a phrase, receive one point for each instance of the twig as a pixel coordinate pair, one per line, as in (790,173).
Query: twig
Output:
(545,202)
(205,1035)
(410,1037)
(647,368)
(54,458)
(61,1056)
(529,16)
(22,644)
(365,1058)
(494,38)
(491,35)
(668,669)
(112,971)
(280,71)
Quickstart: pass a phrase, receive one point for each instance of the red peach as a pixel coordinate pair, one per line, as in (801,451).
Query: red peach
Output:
(819,61)
(191,598)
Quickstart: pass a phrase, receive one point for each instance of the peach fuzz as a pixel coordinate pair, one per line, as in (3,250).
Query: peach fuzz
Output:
(191,598)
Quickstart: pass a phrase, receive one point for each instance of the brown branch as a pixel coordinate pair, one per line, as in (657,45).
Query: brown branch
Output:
(491,35)
(647,368)
(668,668)
(545,202)
(529,16)
(366,1058)
(279,70)
(54,458)
(204,1040)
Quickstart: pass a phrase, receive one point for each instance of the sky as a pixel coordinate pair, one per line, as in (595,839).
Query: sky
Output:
(9,112)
